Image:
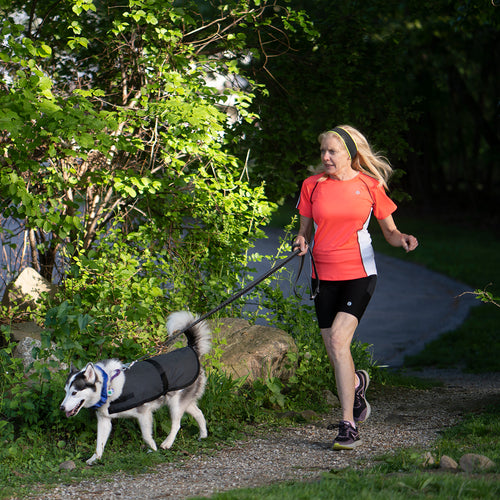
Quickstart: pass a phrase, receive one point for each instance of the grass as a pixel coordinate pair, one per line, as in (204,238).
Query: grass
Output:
(34,460)
(477,433)
(373,486)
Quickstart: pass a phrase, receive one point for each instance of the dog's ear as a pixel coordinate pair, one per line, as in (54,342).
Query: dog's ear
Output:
(72,368)
(89,373)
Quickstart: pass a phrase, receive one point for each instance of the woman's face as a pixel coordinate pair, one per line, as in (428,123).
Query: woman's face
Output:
(335,157)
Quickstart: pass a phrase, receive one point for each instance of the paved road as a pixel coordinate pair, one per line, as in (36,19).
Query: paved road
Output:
(410,307)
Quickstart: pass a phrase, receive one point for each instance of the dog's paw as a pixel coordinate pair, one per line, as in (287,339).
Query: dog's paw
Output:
(166,445)
(92,460)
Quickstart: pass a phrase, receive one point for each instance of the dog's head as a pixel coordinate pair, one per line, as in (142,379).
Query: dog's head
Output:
(83,390)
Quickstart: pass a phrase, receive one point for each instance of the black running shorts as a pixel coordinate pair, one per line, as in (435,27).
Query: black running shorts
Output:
(350,296)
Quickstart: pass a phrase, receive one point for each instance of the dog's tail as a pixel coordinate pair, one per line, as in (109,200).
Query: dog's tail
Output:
(197,336)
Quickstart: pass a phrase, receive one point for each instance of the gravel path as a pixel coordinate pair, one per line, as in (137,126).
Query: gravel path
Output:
(400,418)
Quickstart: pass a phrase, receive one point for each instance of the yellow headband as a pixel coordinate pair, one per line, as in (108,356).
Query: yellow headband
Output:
(348,141)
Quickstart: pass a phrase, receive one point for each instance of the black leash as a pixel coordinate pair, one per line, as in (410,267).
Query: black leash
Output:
(316,290)
(237,295)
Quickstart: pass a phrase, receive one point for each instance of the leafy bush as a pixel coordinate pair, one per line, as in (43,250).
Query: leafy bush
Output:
(30,399)
(140,205)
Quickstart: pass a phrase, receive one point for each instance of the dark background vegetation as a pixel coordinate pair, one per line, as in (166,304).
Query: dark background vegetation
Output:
(419,78)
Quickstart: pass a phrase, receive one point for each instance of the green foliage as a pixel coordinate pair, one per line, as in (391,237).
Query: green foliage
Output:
(366,486)
(28,400)
(268,393)
(355,58)
(486,297)
(117,293)
(141,133)
(227,405)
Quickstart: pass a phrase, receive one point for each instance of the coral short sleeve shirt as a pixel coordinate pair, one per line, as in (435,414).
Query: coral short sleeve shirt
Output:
(341,212)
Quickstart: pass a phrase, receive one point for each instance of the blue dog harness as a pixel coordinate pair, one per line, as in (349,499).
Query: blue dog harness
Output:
(149,379)
(104,389)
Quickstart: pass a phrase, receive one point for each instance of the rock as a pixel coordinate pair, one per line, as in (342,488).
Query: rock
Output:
(309,415)
(26,289)
(30,329)
(448,463)
(253,351)
(472,462)
(331,399)
(68,465)
(24,351)
(28,336)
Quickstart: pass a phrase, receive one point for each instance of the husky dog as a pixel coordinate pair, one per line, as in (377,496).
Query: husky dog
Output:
(115,390)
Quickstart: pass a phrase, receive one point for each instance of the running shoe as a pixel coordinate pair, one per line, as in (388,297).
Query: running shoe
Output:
(362,408)
(348,437)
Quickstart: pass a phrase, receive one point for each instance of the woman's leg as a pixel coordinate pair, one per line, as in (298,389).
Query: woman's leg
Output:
(337,341)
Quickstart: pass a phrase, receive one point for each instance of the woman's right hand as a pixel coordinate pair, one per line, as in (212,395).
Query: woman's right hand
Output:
(300,242)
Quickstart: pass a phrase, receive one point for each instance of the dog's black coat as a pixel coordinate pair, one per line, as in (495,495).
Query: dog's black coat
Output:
(147,380)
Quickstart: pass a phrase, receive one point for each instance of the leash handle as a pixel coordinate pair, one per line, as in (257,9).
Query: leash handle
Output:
(316,290)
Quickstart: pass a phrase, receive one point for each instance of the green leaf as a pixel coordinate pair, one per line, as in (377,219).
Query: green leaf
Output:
(151,18)
(44,50)
(49,106)
(86,140)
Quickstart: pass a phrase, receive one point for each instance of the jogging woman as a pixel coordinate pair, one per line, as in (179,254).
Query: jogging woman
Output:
(335,207)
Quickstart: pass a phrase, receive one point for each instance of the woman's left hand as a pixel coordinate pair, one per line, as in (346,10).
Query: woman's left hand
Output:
(408,242)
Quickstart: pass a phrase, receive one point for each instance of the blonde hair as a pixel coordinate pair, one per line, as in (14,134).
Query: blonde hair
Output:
(366,160)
